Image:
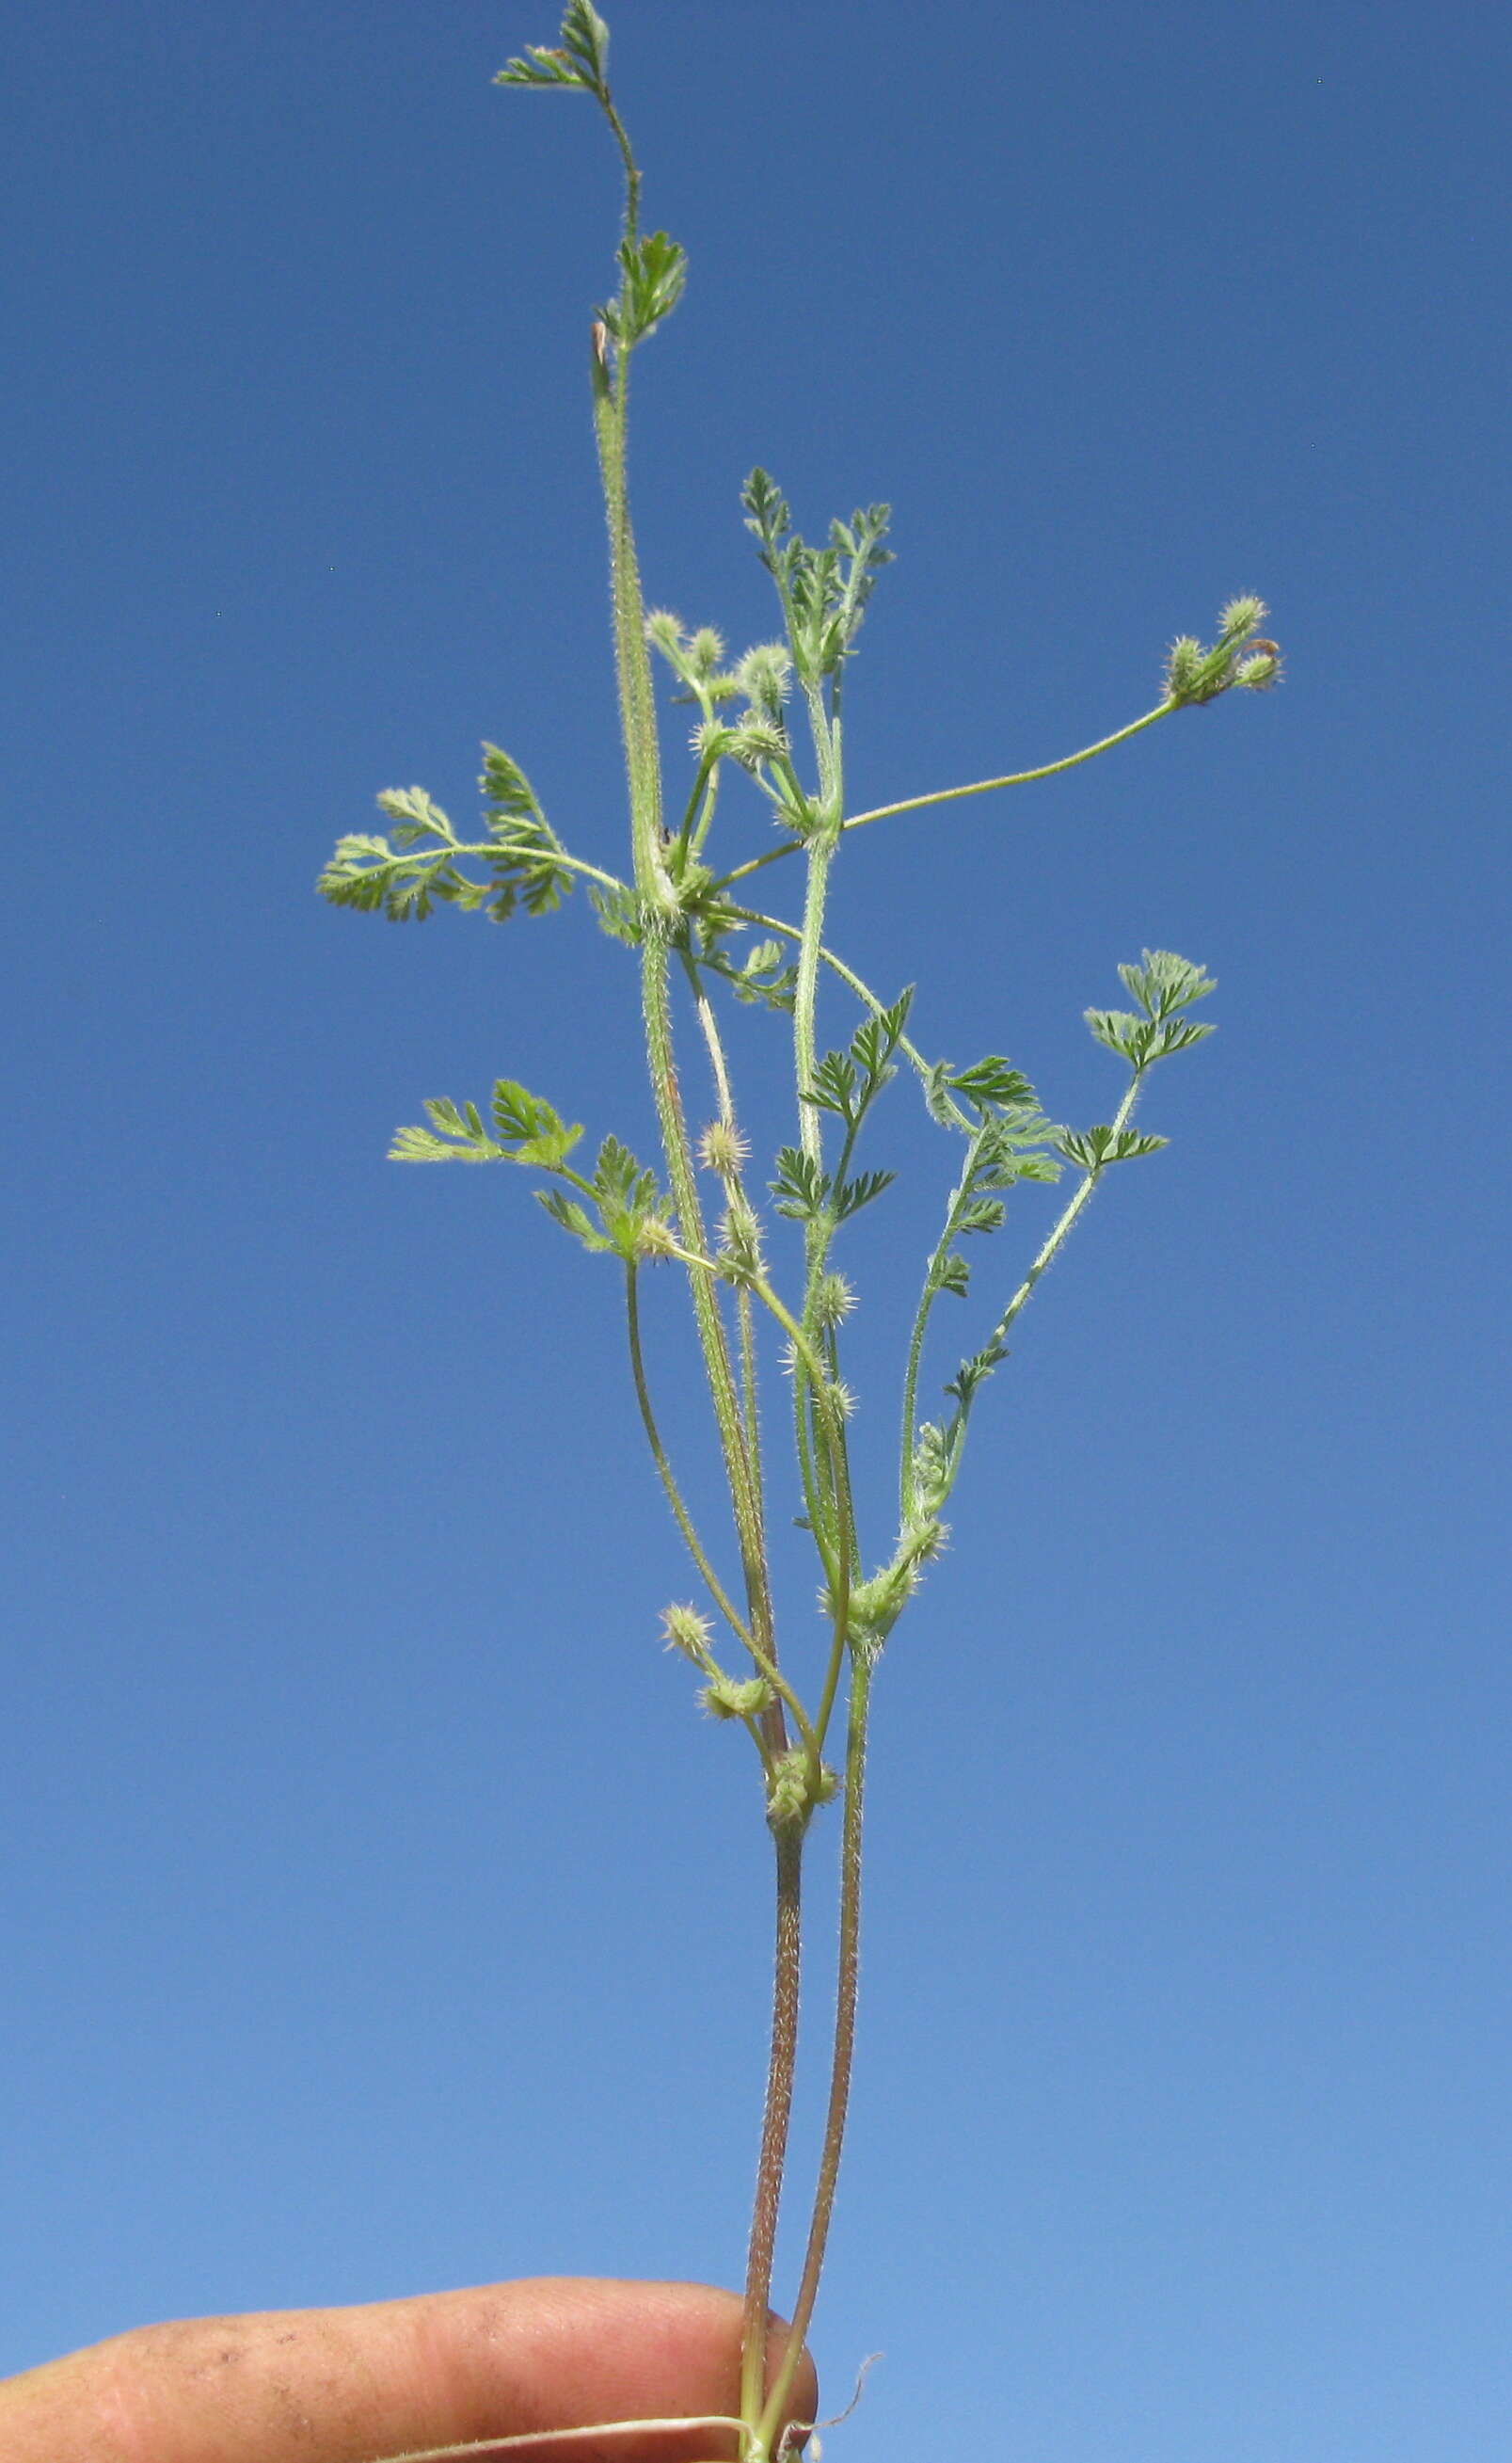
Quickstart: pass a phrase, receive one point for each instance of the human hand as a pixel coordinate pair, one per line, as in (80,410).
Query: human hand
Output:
(402,2378)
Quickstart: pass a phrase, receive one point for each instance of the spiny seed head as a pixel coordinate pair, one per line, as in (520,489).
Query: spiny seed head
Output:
(740,1243)
(756,740)
(727,1697)
(711,736)
(834,1300)
(705,649)
(664,629)
(722,1148)
(786,1796)
(1238,619)
(687,1631)
(655,1237)
(926,1541)
(1183,665)
(762,676)
(792,1793)
(1260,667)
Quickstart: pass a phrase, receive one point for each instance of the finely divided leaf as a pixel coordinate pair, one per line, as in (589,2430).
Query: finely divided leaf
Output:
(505,786)
(800,1187)
(1122,1033)
(573,1217)
(582,59)
(878,1037)
(764,976)
(628,1198)
(849,1084)
(620,913)
(419,816)
(1144,1040)
(538,1134)
(992,1081)
(1010,1147)
(653,273)
(539,67)
(524,869)
(1090,1149)
(1176,1033)
(972,1372)
(585,34)
(765,515)
(406,879)
(461,1137)
(982,1214)
(855,1193)
(1166,983)
(833,1088)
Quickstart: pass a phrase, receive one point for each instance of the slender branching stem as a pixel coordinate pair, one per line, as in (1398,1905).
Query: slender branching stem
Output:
(700,802)
(831,1418)
(706,816)
(832,1675)
(863,992)
(1062,1229)
(977,787)
(920,1326)
(839,1563)
(552,856)
(664,1472)
(1017,777)
(765,1665)
(632,168)
(710,1325)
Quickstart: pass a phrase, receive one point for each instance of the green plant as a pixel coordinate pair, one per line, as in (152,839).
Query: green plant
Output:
(690,919)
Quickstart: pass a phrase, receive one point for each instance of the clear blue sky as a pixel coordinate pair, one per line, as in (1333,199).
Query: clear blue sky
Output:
(377,1913)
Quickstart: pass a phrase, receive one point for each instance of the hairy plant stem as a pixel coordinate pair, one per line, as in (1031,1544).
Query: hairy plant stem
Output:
(776,2116)
(659,903)
(821,1506)
(844,2046)
(734,1198)
(806,991)
(736,1429)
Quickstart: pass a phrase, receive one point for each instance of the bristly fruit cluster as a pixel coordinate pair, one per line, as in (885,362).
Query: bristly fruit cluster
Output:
(770,719)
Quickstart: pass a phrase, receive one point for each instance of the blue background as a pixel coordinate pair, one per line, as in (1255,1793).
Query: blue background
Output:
(377,1913)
